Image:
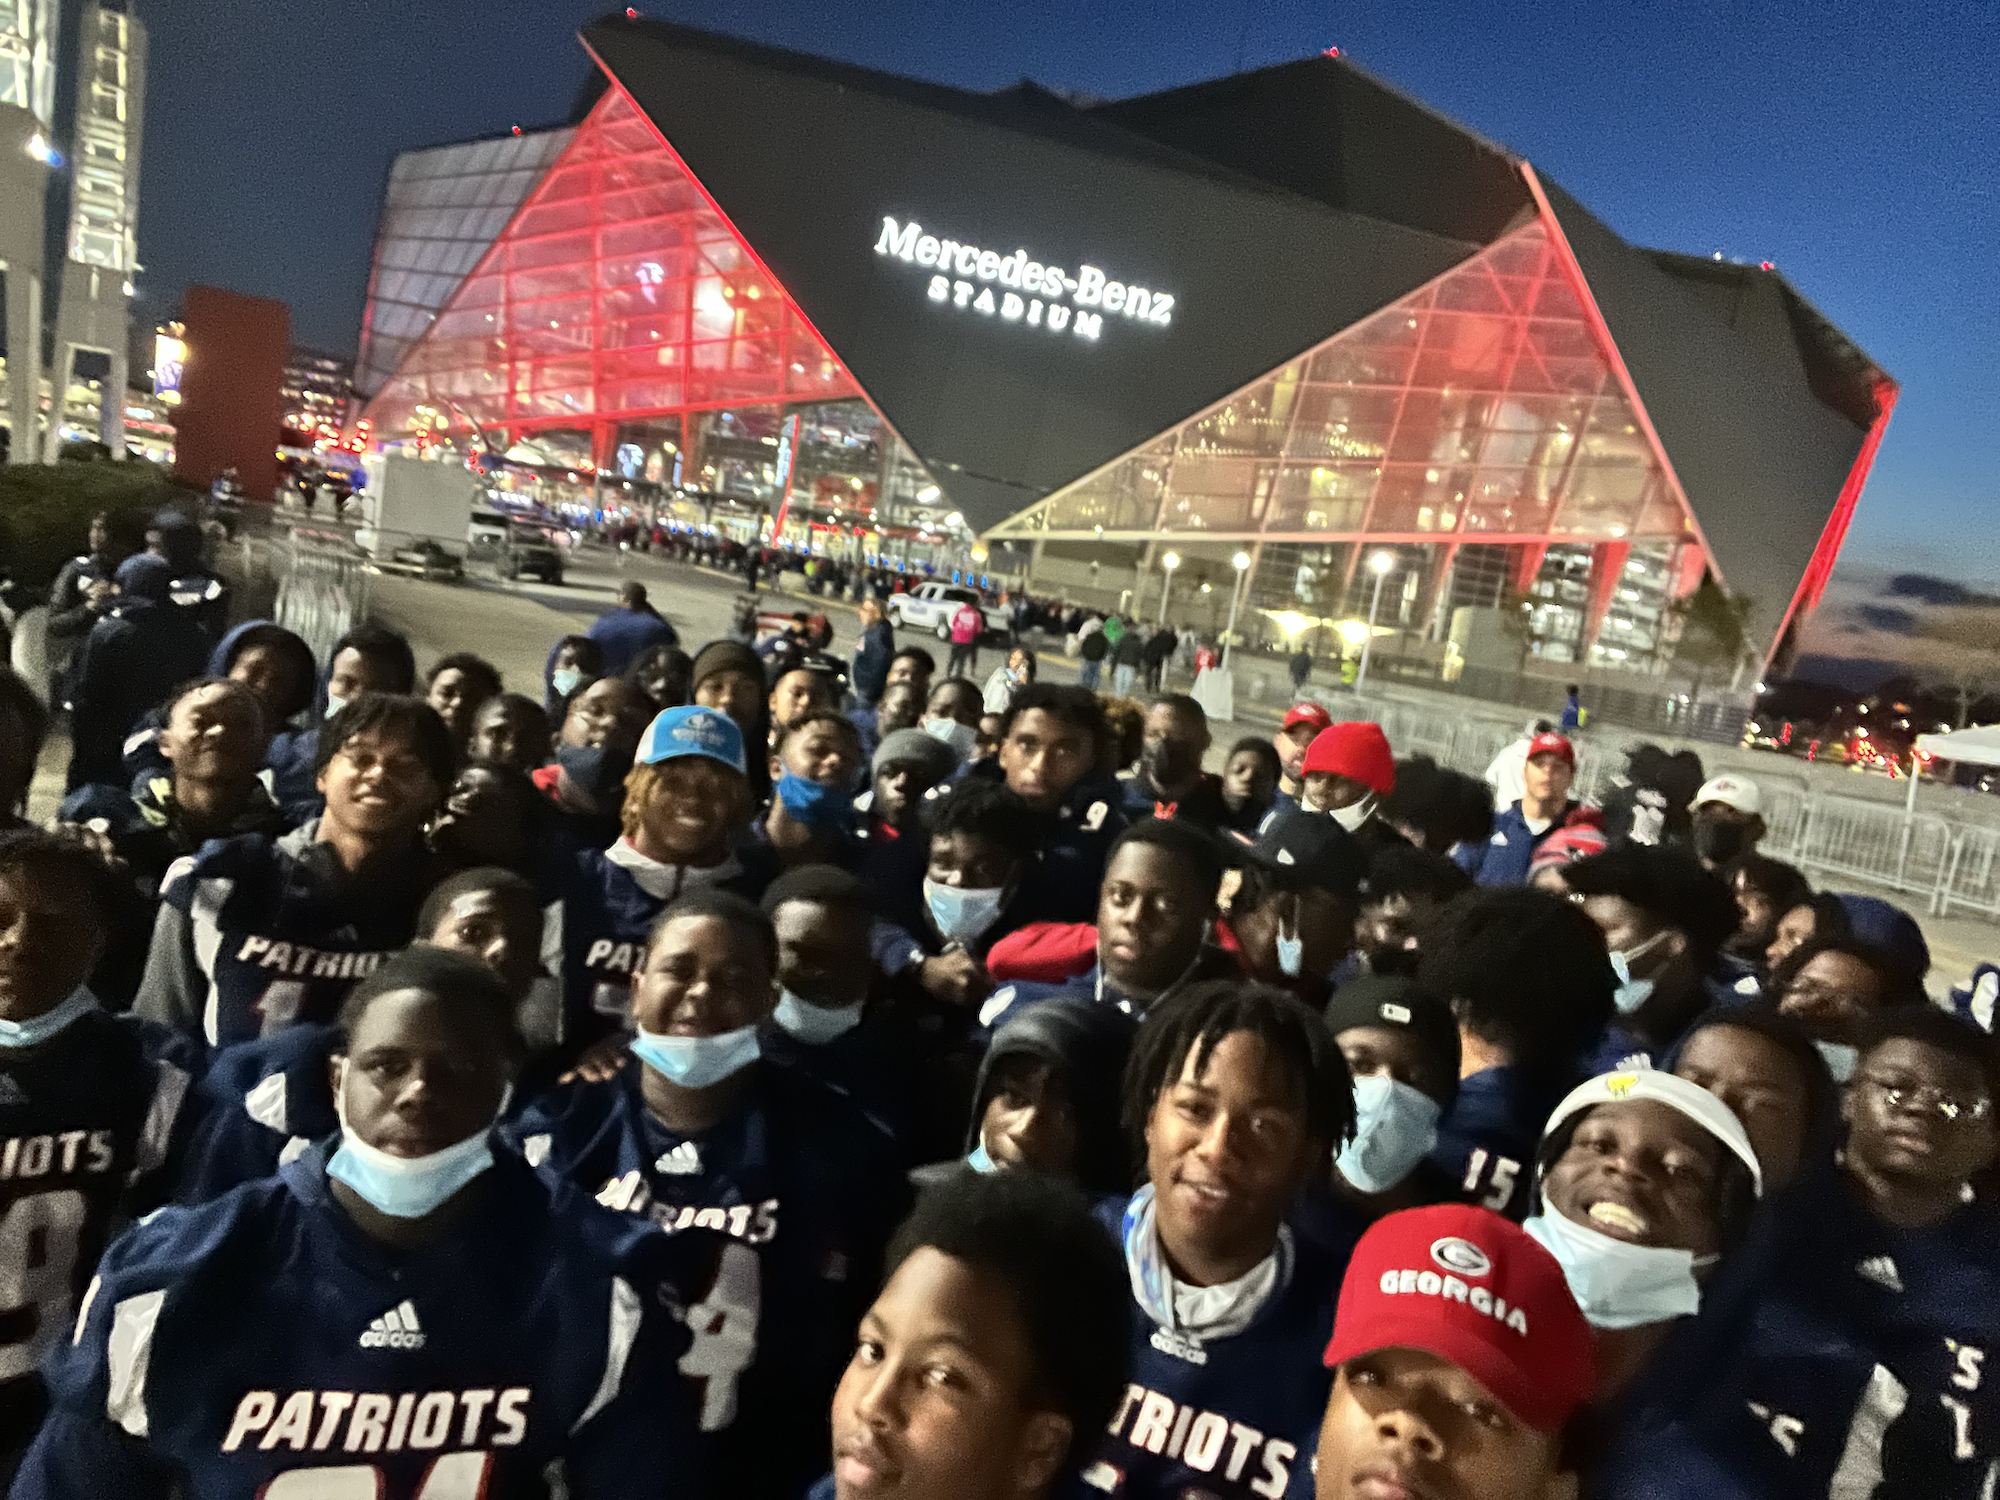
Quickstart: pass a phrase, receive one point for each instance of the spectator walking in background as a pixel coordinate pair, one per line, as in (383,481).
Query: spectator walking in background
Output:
(1009,679)
(1301,669)
(622,633)
(966,624)
(1572,717)
(1092,646)
(1127,657)
(869,673)
(1159,650)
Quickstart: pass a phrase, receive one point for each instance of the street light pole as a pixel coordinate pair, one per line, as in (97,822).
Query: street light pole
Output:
(1167,565)
(1379,565)
(1241,562)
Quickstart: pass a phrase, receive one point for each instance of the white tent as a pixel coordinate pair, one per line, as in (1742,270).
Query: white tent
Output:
(1977,746)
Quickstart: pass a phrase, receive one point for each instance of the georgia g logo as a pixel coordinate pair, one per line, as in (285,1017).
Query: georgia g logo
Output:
(1460,1256)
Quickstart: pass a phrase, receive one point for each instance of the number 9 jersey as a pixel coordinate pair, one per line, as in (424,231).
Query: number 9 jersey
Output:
(261,1347)
(89,1122)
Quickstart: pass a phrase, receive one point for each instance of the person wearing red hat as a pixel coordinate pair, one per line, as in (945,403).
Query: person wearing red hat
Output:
(1304,722)
(1461,1361)
(1348,770)
(1544,806)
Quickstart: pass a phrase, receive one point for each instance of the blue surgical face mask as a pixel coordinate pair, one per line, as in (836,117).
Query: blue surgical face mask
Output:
(961,915)
(1617,1284)
(564,680)
(1395,1126)
(407,1187)
(813,804)
(962,738)
(697,1062)
(1291,954)
(979,1161)
(334,705)
(1633,993)
(38,1029)
(815,1025)
(1840,1059)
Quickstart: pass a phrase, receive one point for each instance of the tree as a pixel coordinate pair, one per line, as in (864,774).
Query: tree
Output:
(1961,645)
(1714,631)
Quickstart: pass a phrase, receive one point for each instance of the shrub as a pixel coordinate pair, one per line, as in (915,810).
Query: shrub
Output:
(45,511)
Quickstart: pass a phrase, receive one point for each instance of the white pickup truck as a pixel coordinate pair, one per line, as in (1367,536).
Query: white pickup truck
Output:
(930,606)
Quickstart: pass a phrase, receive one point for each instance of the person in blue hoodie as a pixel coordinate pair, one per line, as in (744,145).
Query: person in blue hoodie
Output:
(130,662)
(634,626)
(273,663)
(1236,1094)
(368,659)
(1529,978)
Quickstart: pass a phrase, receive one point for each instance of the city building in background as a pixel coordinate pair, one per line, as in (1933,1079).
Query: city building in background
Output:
(317,390)
(27,135)
(232,357)
(101,258)
(1288,333)
(94,155)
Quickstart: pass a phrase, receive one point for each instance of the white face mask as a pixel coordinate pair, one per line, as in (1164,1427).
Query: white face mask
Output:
(962,915)
(1618,1285)
(1395,1126)
(962,738)
(814,1025)
(1354,814)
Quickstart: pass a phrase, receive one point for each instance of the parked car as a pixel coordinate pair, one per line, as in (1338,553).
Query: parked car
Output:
(929,606)
(427,559)
(532,550)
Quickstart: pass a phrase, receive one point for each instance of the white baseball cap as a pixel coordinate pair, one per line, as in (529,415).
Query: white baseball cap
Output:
(1689,1099)
(1731,790)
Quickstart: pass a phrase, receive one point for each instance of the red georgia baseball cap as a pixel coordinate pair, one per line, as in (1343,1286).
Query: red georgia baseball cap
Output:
(1472,1288)
(1358,750)
(1307,713)
(1551,743)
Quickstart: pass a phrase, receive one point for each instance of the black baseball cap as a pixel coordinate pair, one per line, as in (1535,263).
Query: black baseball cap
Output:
(1401,1003)
(1305,849)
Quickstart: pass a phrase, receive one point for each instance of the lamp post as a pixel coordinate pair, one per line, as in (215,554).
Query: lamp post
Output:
(1379,565)
(1240,562)
(1168,563)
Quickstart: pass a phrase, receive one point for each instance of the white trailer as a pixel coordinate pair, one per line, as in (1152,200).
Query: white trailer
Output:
(409,501)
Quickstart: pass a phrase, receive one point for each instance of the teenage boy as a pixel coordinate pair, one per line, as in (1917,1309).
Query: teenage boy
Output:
(993,1355)
(1048,748)
(255,934)
(1169,781)
(1461,1364)
(593,754)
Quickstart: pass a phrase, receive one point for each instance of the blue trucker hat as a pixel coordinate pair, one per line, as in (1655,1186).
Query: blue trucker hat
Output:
(693,731)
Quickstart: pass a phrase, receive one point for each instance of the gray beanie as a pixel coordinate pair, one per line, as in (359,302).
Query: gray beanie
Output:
(927,750)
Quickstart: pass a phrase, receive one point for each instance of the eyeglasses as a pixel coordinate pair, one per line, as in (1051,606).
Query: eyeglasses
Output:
(1897,1094)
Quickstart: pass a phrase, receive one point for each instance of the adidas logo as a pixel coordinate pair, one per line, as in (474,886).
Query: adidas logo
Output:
(683,1161)
(395,1329)
(10,1091)
(1881,1270)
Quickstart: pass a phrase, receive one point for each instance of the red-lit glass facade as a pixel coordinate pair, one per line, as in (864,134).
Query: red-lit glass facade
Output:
(620,324)
(1475,430)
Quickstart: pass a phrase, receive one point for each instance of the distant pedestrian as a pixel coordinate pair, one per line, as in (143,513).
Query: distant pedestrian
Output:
(1159,651)
(869,673)
(624,632)
(966,623)
(1093,645)
(130,663)
(1127,657)
(1302,667)
(1008,679)
(1572,719)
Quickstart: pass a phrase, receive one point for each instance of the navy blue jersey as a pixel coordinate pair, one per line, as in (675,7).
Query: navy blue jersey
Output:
(781,1212)
(256,934)
(1486,1143)
(877,1064)
(259,1105)
(262,1346)
(611,898)
(91,1122)
(1855,1363)
(1232,1418)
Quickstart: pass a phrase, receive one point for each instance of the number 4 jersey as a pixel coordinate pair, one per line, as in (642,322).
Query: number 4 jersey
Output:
(89,1122)
(262,1346)
(777,1218)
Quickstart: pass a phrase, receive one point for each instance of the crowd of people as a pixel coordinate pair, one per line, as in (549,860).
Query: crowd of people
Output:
(723,1074)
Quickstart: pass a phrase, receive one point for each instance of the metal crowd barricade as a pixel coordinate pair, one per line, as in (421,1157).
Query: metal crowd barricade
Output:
(1872,841)
(1972,879)
(322,588)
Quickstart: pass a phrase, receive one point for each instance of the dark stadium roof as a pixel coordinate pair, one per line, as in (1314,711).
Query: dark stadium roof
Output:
(1281,205)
